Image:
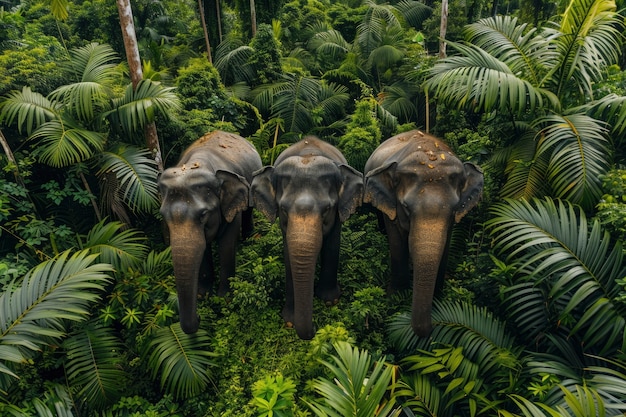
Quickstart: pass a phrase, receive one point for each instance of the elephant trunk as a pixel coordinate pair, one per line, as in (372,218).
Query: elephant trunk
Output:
(187,254)
(427,244)
(304,240)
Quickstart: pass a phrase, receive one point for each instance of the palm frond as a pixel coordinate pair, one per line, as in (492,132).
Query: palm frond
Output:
(59,9)
(331,100)
(479,81)
(136,174)
(63,142)
(523,50)
(231,61)
(578,149)
(398,98)
(140,106)
(28,109)
(82,99)
(358,387)
(330,43)
(92,366)
(591,43)
(611,109)
(118,247)
(485,339)
(34,313)
(577,267)
(524,168)
(94,63)
(413,11)
(182,360)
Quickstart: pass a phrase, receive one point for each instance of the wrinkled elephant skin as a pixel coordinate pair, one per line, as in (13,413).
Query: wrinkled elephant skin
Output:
(422,189)
(312,190)
(204,199)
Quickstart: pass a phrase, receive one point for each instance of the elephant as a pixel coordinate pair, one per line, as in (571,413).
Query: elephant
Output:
(205,199)
(312,190)
(422,189)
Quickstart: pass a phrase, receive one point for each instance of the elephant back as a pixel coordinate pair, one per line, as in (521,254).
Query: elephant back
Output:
(312,146)
(224,151)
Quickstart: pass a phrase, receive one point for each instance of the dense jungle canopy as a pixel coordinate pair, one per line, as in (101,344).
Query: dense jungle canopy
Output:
(97,97)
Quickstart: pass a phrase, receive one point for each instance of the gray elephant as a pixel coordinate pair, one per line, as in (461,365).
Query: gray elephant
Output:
(205,199)
(312,190)
(422,189)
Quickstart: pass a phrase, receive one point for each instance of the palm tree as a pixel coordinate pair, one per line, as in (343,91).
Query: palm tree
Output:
(542,81)
(73,124)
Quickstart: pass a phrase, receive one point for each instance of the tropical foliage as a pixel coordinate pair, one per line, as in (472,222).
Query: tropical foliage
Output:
(531,319)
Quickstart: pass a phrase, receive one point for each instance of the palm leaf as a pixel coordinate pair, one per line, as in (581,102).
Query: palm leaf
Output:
(92,366)
(136,174)
(116,246)
(485,339)
(524,168)
(590,44)
(139,106)
(611,109)
(414,12)
(577,267)
(59,9)
(330,43)
(478,81)
(94,63)
(358,387)
(28,109)
(63,142)
(182,360)
(231,61)
(34,313)
(94,68)
(523,50)
(578,147)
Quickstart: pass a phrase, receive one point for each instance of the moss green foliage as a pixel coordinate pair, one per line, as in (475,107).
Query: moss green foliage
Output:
(362,134)
(265,57)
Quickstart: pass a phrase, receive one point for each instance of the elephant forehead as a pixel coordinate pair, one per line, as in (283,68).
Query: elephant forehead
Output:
(435,164)
(307,165)
(185,178)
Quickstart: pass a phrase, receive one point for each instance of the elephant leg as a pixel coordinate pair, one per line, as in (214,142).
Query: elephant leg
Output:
(399,252)
(288,309)
(246,223)
(206,277)
(227,247)
(327,289)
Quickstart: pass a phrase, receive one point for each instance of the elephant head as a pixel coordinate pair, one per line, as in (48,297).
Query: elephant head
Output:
(423,189)
(311,195)
(195,204)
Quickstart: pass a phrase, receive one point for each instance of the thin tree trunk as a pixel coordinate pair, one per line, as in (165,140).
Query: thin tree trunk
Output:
(11,158)
(443,29)
(219,20)
(136,73)
(253,17)
(206,32)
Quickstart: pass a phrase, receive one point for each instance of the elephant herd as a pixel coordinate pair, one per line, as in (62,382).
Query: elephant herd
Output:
(413,179)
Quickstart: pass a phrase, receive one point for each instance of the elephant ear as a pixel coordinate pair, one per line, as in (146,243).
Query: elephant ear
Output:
(351,191)
(471,192)
(234,190)
(263,194)
(380,190)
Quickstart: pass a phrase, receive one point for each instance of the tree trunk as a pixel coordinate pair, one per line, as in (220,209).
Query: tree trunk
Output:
(443,28)
(136,73)
(205,30)
(219,20)
(253,18)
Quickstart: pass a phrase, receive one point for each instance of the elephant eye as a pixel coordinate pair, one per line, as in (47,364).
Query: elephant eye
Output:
(204,214)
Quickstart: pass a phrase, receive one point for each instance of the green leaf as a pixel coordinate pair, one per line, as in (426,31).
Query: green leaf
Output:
(36,312)
(182,360)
